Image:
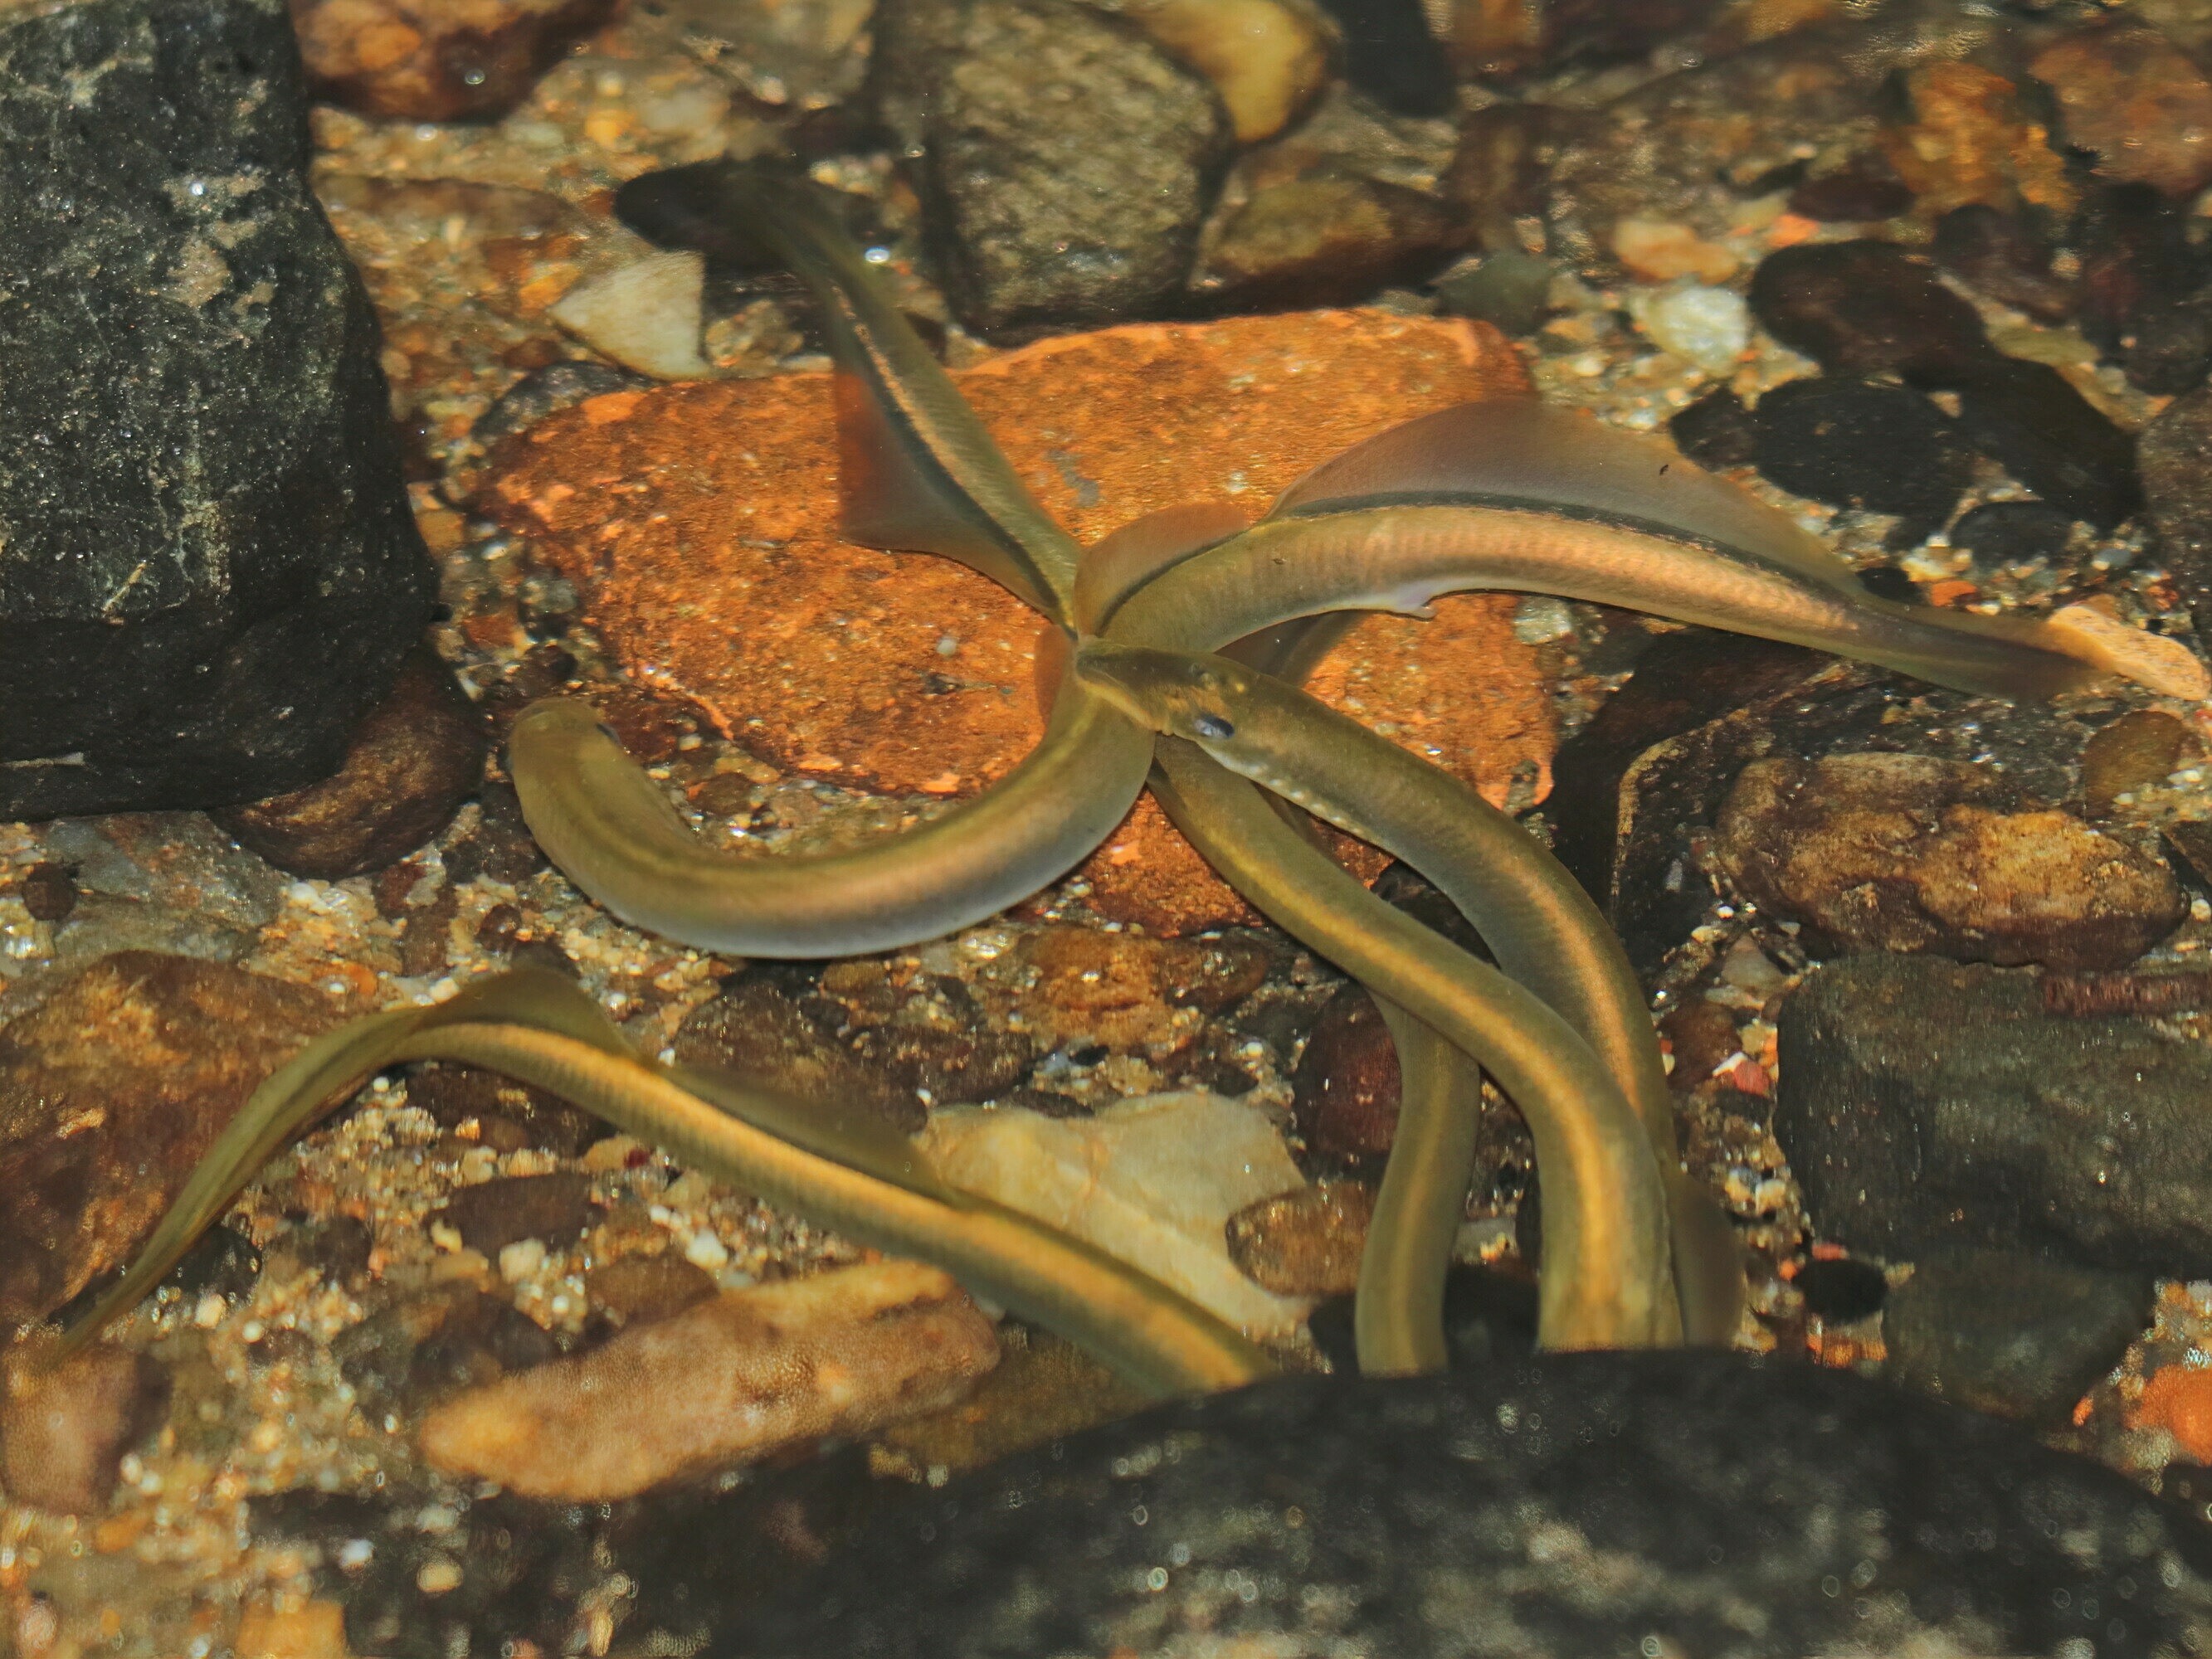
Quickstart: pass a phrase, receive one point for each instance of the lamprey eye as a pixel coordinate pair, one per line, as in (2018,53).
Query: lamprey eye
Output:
(1213,727)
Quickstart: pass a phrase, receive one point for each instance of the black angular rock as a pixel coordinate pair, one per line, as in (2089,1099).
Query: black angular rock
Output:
(1999,533)
(2004,1333)
(1390,55)
(208,568)
(1564,1504)
(1927,1104)
(1715,431)
(1866,445)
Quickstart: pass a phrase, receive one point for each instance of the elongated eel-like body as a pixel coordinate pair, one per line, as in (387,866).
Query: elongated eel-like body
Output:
(1544,930)
(1397,1312)
(1613,1286)
(1155,1337)
(612,832)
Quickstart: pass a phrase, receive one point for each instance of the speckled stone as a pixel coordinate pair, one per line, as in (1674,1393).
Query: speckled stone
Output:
(1551,1508)
(110,1090)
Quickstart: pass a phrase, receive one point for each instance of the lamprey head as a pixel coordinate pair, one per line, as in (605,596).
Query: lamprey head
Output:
(1185,695)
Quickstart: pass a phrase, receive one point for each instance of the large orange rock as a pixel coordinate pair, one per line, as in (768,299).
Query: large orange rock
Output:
(698,522)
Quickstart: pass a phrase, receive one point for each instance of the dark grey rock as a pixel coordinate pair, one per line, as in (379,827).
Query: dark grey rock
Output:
(1924,1104)
(208,569)
(1573,1505)
(1869,307)
(416,1351)
(1064,160)
(1390,55)
(2006,1334)
(1716,431)
(2028,418)
(494,1214)
(2175,452)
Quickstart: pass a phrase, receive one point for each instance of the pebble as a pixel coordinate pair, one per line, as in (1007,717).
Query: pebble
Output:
(2028,418)
(1866,445)
(415,60)
(1064,157)
(1840,1290)
(1306,1243)
(1660,252)
(637,1290)
(1152,1179)
(2136,103)
(1925,1103)
(1345,1089)
(411,763)
(427,1347)
(1597,1500)
(1909,853)
(1509,290)
(1708,326)
(2001,533)
(2009,1334)
(1170,413)
(455,1095)
(1865,186)
(1390,54)
(1869,307)
(553,1209)
(111,1089)
(1318,233)
(1716,431)
(48,890)
(645,315)
(723,1382)
(1701,1035)
(64,1430)
(219,635)
(1267,58)
(2136,750)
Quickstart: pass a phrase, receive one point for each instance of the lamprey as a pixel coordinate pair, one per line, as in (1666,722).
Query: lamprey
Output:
(1157,1339)
(1514,496)
(1543,929)
(1605,1280)
(611,831)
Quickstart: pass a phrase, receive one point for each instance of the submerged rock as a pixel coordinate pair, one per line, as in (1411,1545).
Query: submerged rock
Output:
(1558,1506)
(1925,1104)
(721,1383)
(1064,157)
(2004,1333)
(436,60)
(1907,853)
(1151,1180)
(110,1090)
(64,1430)
(210,567)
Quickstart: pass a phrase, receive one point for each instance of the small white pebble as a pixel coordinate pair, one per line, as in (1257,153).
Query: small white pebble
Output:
(1539,617)
(521,1260)
(439,1574)
(947,644)
(703,1250)
(208,1313)
(1710,326)
(356,1553)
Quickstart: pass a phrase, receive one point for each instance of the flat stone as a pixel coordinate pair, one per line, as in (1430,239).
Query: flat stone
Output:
(1561,1505)
(411,763)
(491,1215)
(1908,853)
(1924,1104)
(910,674)
(723,1382)
(111,1089)
(436,60)
(172,634)
(1153,1180)
(1064,157)
(2010,1335)
(1865,445)
(64,1430)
